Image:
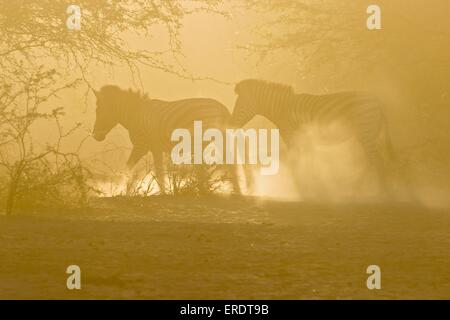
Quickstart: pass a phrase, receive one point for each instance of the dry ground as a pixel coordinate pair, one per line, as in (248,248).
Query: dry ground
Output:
(225,248)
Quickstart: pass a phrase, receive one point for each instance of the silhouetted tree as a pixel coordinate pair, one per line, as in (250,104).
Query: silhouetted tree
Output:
(34,31)
(33,172)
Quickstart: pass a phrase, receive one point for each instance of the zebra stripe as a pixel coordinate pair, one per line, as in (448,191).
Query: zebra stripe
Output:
(150,122)
(290,112)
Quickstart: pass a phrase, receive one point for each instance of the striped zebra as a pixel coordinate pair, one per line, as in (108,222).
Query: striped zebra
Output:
(361,114)
(150,123)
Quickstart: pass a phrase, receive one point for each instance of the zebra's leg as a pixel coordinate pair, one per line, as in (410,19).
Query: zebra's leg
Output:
(201,179)
(234,175)
(249,172)
(380,168)
(293,153)
(136,154)
(249,178)
(232,170)
(159,171)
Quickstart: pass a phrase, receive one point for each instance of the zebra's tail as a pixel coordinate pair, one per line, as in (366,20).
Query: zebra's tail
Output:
(390,147)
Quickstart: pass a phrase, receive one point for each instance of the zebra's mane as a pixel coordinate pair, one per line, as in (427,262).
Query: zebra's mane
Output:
(254,86)
(131,97)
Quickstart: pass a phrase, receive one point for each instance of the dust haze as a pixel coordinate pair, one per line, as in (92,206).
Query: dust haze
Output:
(57,180)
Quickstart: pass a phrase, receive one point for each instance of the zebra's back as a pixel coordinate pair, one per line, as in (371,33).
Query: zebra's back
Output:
(160,118)
(353,108)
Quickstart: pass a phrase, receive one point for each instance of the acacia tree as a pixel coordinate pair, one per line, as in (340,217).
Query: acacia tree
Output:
(333,35)
(40,57)
(34,30)
(37,173)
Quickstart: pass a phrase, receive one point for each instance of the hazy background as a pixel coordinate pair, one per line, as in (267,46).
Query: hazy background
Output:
(317,47)
(221,246)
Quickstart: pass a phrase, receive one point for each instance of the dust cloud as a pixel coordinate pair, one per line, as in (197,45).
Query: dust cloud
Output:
(404,64)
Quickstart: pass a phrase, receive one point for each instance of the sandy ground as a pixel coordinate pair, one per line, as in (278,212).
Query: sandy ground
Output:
(225,248)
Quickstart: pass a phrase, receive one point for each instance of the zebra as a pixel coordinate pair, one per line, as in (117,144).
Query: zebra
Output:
(150,123)
(360,112)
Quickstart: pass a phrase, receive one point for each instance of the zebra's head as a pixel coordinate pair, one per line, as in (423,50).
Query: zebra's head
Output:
(245,107)
(105,118)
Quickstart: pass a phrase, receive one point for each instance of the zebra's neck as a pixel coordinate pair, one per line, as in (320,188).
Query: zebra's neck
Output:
(271,106)
(128,113)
